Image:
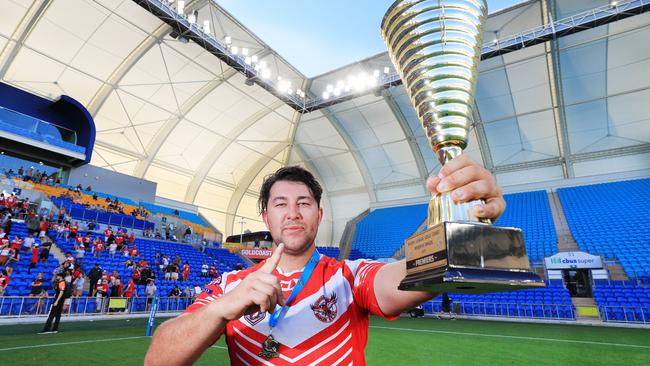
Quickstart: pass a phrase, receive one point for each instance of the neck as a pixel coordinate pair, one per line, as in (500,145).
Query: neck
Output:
(291,262)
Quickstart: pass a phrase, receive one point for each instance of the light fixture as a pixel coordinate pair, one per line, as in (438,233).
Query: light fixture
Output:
(180,7)
(254,59)
(244,51)
(375,73)
(326,95)
(613,3)
(330,87)
(227,40)
(386,70)
(266,74)
(248,60)
(206,26)
(235,50)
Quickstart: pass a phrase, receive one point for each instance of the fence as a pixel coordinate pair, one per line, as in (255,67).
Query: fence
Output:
(509,310)
(23,306)
(629,314)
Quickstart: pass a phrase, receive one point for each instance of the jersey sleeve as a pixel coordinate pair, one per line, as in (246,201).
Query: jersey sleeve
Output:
(210,293)
(364,286)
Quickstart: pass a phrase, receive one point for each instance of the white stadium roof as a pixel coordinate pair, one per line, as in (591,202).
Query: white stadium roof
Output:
(173,113)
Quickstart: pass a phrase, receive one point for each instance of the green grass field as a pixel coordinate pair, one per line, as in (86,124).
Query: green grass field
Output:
(402,342)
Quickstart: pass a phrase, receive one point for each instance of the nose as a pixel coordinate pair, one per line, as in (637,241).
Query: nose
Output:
(293,212)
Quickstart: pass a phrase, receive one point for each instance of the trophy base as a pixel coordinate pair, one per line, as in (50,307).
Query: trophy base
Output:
(468,258)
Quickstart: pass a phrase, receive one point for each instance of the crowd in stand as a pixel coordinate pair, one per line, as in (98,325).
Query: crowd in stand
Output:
(36,176)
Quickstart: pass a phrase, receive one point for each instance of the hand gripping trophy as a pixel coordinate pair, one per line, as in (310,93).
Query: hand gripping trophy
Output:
(435,45)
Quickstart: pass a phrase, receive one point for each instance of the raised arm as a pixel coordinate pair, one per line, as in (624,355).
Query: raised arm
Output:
(468,181)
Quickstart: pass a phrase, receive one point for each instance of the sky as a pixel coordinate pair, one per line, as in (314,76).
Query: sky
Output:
(317,36)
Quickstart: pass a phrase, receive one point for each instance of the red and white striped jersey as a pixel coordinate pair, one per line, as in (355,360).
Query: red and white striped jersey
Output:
(327,323)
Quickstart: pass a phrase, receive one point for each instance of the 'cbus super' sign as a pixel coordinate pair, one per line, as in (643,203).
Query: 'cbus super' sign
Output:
(567,260)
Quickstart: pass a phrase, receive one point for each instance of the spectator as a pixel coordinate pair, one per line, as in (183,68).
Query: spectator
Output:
(45,251)
(34,260)
(129,263)
(135,251)
(187,293)
(93,277)
(238,267)
(4,281)
(175,292)
(129,293)
(112,247)
(186,271)
(44,224)
(37,286)
(102,293)
(57,307)
(446,307)
(150,290)
(116,288)
(197,290)
(5,251)
(79,284)
(204,270)
(29,242)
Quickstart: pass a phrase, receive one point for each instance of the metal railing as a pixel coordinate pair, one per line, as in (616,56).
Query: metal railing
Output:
(39,127)
(628,314)
(25,306)
(508,310)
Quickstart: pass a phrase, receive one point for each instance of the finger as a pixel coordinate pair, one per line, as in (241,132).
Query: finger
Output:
(273,281)
(465,176)
(271,263)
(479,189)
(455,164)
(271,294)
(261,299)
(432,183)
(492,208)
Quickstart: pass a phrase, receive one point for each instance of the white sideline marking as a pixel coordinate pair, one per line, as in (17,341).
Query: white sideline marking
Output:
(514,337)
(67,343)
(81,342)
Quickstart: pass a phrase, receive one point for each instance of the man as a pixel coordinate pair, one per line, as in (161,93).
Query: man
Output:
(150,290)
(93,276)
(333,305)
(57,307)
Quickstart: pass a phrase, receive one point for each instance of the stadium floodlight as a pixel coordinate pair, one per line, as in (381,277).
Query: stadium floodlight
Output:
(234,50)
(191,18)
(329,88)
(266,74)
(254,58)
(613,3)
(326,95)
(337,92)
(244,51)
(180,7)
(206,26)
(375,73)
(386,70)
(227,40)
(290,91)
(248,60)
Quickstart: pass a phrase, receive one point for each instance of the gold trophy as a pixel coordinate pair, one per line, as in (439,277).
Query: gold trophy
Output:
(435,45)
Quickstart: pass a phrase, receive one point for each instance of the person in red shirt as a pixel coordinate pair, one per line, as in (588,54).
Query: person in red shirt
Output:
(4,281)
(119,240)
(99,247)
(186,271)
(213,270)
(10,201)
(136,274)
(74,229)
(17,243)
(102,293)
(3,200)
(44,225)
(129,293)
(34,260)
(143,264)
(135,251)
(328,321)
(131,238)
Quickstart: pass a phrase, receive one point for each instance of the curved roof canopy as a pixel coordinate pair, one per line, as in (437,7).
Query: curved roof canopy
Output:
(169,111)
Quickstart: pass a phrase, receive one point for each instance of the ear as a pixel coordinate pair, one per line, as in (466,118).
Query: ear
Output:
(265,217)
(320,215)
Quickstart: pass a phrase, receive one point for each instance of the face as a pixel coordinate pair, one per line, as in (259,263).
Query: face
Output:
(292,216)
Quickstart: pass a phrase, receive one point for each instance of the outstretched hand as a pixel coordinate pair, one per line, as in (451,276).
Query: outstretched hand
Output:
(469,181)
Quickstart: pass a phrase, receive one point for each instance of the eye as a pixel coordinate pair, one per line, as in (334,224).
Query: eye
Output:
(282,204)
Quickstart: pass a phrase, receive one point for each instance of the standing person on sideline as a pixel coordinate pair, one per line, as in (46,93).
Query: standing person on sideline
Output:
(446,307)
(57,307)
(321,301)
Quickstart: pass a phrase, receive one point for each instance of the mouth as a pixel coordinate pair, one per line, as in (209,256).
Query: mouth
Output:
(293,228)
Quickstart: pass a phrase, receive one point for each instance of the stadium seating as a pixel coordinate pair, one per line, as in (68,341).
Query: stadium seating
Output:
(329,251)
(20,284)
(552,302)
(148,249)
(80,212)
(382,231)
(531,212)
(623,302)
(613,220)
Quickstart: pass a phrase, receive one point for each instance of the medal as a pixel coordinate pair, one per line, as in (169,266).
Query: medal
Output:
(270,347)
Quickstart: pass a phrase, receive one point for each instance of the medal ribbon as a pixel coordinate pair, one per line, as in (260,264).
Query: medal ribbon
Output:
(302,281)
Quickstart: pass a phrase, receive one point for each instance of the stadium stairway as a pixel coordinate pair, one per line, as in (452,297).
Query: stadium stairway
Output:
(586,310)
(565,241)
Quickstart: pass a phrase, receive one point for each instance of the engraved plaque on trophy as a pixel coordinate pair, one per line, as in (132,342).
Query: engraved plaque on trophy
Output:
(435,45)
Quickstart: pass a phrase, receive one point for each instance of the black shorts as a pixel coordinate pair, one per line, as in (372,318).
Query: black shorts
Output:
(149,300)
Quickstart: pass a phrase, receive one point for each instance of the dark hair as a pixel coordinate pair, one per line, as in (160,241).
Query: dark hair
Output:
(291,174)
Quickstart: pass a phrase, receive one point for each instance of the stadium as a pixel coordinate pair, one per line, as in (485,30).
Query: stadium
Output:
(136,137)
